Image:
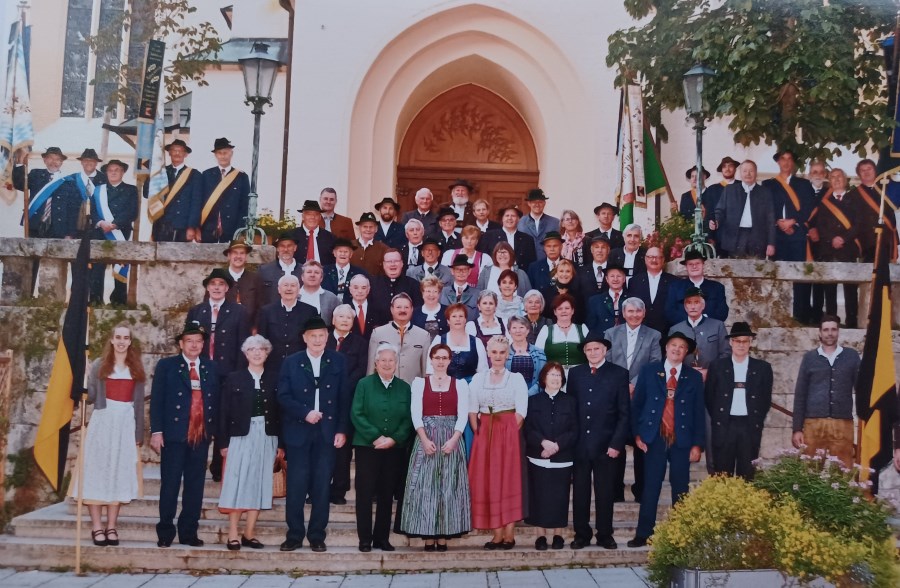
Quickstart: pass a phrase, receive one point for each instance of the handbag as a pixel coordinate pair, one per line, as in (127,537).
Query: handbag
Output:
(279,478)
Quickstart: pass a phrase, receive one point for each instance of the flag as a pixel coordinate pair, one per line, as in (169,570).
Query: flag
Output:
(159,181)
(876,386)
(66,377)
(16,131)
(640,173)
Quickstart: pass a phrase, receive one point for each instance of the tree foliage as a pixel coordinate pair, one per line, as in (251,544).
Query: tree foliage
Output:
(190,48)
(803,74)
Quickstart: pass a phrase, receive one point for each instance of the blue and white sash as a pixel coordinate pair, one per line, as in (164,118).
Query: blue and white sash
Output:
(37,203)
(101,203)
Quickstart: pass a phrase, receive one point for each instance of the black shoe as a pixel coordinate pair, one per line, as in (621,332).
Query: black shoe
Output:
(217,479)
(99,542)
(507,545)
(338,500)
(252,543)
(442,547)
(638,541)
(193,542)
(109,537)
(541,543)
(318,546)
(164,543)
(291,545)
(383,546)
(430,547)
(558,542)
(607,542)
(365,547)
(578,543)
(233,545)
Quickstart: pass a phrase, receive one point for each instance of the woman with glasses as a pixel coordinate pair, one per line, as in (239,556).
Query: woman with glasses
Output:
(437,505)
(573,238)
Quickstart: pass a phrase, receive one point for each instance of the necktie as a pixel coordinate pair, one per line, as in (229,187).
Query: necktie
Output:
(459,293)
(327,222)
(48,209)
(599,276)
(413,254)
(402,331)
(196,432)
(342,274)
(340,340)
(89,186)
(224,173)
(311,246)
(361,319)
(667,427)
(552,270)
(593,370)
(431,270)
(212,331)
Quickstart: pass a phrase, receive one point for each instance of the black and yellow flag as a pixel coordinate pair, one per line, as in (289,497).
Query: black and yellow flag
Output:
(876,386)
(67,376)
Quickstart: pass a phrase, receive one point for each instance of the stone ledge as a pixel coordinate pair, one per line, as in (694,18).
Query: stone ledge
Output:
(127,251)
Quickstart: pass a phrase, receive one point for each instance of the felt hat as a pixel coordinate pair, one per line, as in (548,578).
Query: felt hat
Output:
(679,335)
(690,170)
(741,329)
(596,337)
(221,274)
(536,194)
(612,207)
(691,254)
(388,200)
(692,292)
(341,242)
(551,236)
(314,323)
(237,243)
(192,328)
(460,260)
(118,162)
(89,154)
(367,217)
(222,143)
(460,182)
(726,160)
(179,143)
(310,206)
(54,151)
(446,211)
(285,236)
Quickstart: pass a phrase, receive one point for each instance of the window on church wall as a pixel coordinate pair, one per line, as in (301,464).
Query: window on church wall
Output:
(75,63)
(110,11)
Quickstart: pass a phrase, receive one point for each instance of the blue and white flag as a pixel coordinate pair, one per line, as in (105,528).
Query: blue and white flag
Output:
(16,131)
(159,181)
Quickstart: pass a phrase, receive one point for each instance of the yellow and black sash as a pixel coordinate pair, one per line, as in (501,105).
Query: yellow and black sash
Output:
(157,204)
(795,200)
(217,193)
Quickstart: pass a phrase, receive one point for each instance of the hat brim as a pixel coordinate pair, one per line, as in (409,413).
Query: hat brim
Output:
(246,247)
(97,159)
(43,155)
(183,334)
(748,334)
(185,147)
(679,335)
(121,164)
(612,207)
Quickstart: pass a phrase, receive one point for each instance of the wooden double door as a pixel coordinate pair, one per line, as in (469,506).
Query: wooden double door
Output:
(468,132)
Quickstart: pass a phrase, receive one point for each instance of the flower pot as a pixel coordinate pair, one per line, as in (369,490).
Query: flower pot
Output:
(682,578)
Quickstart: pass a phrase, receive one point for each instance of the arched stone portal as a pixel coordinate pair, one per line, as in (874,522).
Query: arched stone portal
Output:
(468,132)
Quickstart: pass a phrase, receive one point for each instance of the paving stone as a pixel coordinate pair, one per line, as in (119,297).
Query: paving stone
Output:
(171,581)
(70,580)
(463,580)
(317,582)
(124,581)
(570,579)
(221,581)
(268,581)
(28,579)
(415,581)
(529,579)
(367,581)
(624,577)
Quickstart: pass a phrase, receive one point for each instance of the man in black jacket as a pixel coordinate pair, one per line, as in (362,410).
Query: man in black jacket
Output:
(114,207)
(522,243)
(745,229)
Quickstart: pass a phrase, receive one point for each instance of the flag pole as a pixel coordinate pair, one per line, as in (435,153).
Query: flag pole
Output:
(79,466)
(25,192)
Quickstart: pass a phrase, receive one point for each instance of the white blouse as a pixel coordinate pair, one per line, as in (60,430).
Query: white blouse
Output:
(479,351)
(510,394)
(462,403)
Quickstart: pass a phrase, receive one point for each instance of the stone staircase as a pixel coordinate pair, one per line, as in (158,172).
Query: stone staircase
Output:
(44,539)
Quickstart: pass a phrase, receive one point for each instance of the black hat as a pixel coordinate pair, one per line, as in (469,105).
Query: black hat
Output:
(687,174)
(54,151)
(367,217)
(310,206)
(179,143)
(237,243)
(616,266)
(741,329)
(612,207)
(461,259)
(679,335)
(341,242)
(693,291)
(445,211)
(601,238)
(502,210)
(550,236)
(89,154)
(725,160)
(596,337)
(221,274)
(388,200)
(285,236)
(313,323)
(536,194)
(430,241)
(118,162)
(460,182)
(192,328)
(222,143)
(691,254)
(782,151)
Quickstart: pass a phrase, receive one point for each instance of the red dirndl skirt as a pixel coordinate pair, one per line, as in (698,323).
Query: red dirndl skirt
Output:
(496,472)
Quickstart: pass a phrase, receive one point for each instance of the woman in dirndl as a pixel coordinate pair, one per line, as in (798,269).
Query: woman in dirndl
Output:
(487,323)
(561,341)
(111,466)
(436,501)
(250,423)
(498,403)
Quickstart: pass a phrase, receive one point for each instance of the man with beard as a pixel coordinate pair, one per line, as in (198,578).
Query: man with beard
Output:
(460,191)
(390,232)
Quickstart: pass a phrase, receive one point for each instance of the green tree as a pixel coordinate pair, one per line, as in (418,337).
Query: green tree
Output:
(797,73)
(190,48)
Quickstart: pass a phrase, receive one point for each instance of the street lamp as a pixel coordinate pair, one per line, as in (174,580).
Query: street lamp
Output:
(260,69)
(696,103)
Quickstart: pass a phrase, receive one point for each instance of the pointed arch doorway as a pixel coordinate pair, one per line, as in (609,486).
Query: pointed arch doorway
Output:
(468,132)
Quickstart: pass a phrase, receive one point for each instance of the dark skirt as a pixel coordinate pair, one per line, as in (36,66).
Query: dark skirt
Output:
(548,491)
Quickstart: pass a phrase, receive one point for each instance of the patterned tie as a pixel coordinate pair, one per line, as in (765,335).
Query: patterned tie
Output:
(552,270)
(212,331)
(459,293)
(196,431)
(593,370)
(402,331)
(667,427)
(89,187)
(616,306)
(340,340)
(413,254)
(342,273)
(224,172)
(361,319)
(599,277)
(311,246)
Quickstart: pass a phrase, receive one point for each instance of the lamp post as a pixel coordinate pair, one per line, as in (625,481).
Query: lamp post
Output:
(697,105)
(260,69)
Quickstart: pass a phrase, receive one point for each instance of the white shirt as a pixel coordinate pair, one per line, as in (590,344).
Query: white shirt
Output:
(462,403)
(629,258)
(414,254)
(288,308)
(746,217)
(365,244)
(235,275)
(212,311)
(316,363)
(510,236)
(460,210)
(694,323)
(288,269)
(312,298)
(739,397)
(327,218)
(653,282)
(632,343)
(597,266)
(365,307)
(482,227)
(385,226)
(831,357)
(536,220)
(573,336)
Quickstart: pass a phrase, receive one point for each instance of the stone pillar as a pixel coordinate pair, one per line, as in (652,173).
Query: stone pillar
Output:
(17,279)
(52,279)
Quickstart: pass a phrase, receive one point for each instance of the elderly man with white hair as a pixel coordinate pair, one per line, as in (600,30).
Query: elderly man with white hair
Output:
(423,213)
(312,292)
(411,249)
(631,256)
(281,322)
(381,414)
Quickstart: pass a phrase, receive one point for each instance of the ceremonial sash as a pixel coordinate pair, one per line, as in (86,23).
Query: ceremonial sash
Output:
(724,183)
(790,192)
(217,193)
(37,203)
(156,204)
(835,211)
(101,203)
(869,199)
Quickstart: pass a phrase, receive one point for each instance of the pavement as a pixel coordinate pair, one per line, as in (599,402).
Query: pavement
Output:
(626,577)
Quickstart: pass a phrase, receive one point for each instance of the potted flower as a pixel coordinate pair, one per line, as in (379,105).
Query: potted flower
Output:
(274,226)
(802,519)
(671,236)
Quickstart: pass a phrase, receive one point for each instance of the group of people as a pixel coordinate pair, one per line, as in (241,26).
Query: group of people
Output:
(480,373)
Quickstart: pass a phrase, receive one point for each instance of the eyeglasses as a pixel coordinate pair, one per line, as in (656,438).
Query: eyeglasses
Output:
(441,358)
